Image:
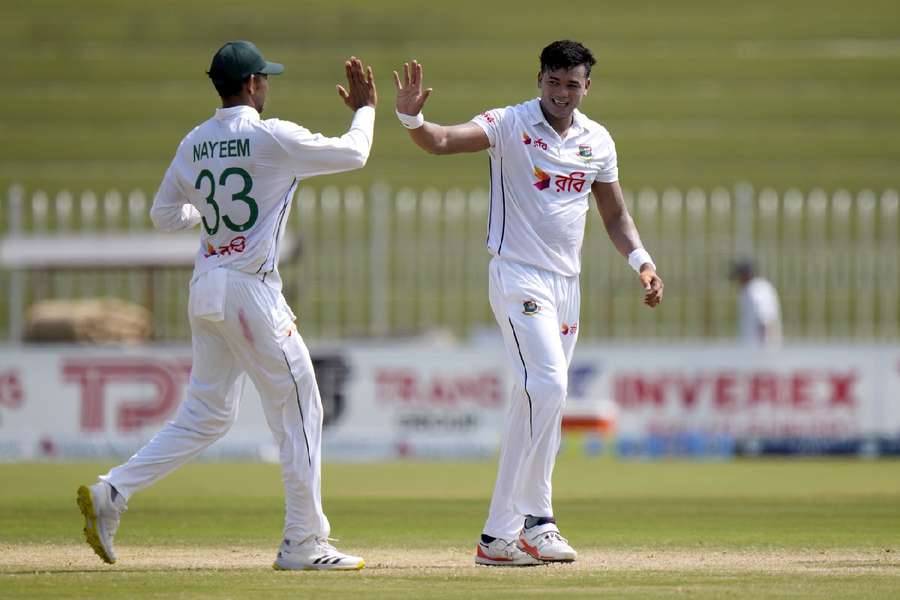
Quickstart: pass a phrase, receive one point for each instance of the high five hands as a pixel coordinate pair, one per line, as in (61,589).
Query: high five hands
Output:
(410,97)
(361,86)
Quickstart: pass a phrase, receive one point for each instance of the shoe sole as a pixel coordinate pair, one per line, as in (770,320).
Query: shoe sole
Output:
(487,562)
(532,552)
(557,560)
(484,560)
(361,564)
(91,536)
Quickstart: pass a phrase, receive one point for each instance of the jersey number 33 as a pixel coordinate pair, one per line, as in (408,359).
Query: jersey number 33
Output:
(241,196)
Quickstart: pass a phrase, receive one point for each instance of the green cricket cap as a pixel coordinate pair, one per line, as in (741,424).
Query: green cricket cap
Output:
(235,61)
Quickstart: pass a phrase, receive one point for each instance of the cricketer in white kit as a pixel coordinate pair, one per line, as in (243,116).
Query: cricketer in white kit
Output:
(546,157)
(759,323)
(235,175)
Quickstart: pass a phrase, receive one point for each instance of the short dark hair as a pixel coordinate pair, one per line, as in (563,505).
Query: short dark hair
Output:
(229,87)
(742,267)
(566,54)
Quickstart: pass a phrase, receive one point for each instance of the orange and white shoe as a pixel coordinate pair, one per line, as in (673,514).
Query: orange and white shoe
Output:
(502,553)
(543,542)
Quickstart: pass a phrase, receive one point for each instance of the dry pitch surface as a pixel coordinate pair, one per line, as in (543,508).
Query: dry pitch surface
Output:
(382,561)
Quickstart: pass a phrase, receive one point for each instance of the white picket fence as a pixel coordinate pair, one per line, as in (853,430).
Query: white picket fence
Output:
(383,262)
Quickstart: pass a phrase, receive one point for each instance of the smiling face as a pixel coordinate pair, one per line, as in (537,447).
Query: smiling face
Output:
(562,90)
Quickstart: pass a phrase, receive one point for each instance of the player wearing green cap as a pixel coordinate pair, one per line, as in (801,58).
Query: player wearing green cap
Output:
(234,176)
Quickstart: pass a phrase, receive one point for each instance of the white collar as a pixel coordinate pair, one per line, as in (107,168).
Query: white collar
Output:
(234,112)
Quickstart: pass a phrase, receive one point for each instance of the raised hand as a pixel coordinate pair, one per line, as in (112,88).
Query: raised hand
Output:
(361,86)
(410,97)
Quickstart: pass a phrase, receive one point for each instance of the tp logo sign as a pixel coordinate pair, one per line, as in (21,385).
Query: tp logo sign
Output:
(95,376)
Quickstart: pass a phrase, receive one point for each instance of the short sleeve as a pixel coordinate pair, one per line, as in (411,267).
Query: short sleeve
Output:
(608,169)
(490,122)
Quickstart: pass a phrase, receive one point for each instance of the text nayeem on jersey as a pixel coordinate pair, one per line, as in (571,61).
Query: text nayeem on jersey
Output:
(225,149)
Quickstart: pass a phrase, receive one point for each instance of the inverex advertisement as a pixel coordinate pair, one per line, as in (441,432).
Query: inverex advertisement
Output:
(824,395)
(398,400)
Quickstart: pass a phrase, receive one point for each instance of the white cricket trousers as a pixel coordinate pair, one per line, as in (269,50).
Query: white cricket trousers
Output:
(256,337)
(537,311)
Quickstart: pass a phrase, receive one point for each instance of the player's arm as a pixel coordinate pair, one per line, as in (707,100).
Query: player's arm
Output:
(624,235)
(171,210)
(431,137)
(315,154)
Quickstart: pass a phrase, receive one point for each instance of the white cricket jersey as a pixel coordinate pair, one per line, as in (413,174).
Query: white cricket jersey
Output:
(236,175)
(540,184)
(760,309)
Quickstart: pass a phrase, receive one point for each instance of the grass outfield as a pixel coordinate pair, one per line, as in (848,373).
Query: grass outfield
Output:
(696,93)
(806,529)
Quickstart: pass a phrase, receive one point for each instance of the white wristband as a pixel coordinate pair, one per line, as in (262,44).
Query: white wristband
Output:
(639,258)
(411,121)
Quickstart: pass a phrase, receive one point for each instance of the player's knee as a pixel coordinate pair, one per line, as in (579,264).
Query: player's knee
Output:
(550,388)
(213,426)
(220,424)
(196,415)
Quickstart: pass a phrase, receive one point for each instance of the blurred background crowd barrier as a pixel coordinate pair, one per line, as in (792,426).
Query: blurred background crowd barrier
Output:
(386,266)
(385,263)
(427,400)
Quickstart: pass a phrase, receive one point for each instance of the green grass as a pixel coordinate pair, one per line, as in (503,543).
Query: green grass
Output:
(807,509)
(698,93)
(231,584)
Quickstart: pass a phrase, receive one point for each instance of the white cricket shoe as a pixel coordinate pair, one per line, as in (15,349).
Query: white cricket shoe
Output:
(313,554)
(101,518)
(501,553)
(544,542)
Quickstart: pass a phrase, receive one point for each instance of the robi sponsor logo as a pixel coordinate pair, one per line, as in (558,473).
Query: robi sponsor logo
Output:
(237,245)
(537,143)
(543,181)
(569,329)
(573,182)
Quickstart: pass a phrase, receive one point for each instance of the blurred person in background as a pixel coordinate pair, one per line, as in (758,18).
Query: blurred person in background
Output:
(760,311)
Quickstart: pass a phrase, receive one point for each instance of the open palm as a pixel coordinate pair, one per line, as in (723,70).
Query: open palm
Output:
(360,90)
(410,97)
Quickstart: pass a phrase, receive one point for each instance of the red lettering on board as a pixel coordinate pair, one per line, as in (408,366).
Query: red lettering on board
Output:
(12,393)
(800,392)
(408,387)
(842,389)
(764,389)
(724,394)
(94,376)
(689,390)
(729,391)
